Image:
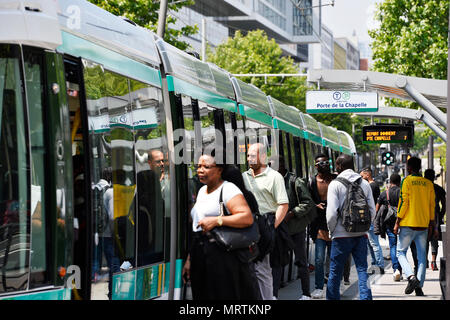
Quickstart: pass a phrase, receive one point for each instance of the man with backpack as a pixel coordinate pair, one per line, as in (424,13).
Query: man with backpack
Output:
(385,220)
(350,211)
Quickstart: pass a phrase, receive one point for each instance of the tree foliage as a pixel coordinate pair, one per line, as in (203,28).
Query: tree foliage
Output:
(412,38)
(145,14)
(255,53)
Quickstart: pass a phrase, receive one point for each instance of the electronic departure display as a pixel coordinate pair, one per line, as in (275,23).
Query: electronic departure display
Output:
(388,134)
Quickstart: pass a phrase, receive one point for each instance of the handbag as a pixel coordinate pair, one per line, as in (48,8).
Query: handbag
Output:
(231,238)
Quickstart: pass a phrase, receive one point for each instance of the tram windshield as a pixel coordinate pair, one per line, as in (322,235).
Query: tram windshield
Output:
(14,173)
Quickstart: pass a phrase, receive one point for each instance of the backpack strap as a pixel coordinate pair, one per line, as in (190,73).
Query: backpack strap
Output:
(345,182)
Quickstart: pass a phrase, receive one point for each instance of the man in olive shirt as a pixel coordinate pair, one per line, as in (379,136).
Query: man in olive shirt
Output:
(415,214)
(267,185)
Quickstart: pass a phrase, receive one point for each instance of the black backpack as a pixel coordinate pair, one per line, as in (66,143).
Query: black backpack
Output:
(100,213)
(355,212)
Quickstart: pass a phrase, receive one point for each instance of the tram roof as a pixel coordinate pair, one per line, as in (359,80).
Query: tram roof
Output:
(86,20)
(286,113)
(383,83)
(190,69)
(330,135)
(251,96)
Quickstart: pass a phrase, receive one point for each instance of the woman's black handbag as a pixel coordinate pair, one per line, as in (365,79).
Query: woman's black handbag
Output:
(235,238)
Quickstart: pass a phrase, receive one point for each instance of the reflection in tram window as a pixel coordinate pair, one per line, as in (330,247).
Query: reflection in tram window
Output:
(34,87)
(14,172)
(153,188)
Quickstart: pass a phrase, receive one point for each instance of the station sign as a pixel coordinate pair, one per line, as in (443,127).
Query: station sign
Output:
(341,101)
(388,134)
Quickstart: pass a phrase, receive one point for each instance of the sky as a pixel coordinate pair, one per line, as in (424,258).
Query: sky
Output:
(347,16)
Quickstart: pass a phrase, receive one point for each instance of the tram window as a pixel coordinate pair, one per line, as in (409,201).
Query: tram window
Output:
(293,157)
(33,63)
(208,130)
(122,166)
(153,187)
(299,162)
(285,151)
(241,143)
(311,152)
(14,173)
(257,132)
(188,146)
(230,139)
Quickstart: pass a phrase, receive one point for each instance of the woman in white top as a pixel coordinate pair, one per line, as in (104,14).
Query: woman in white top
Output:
(216,274)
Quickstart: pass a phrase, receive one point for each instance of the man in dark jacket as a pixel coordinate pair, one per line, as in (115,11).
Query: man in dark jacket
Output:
(318,188)
(298,219)
(283,240)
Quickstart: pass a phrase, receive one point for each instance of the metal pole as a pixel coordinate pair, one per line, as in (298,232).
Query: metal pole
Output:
(424,102)
(162,18)
(430,152)
(447,233)
(203,39)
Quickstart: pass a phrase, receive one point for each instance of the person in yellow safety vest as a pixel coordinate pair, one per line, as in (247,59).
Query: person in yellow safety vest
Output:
(415,216)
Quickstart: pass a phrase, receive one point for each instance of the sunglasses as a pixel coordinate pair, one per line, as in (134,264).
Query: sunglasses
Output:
(322,163)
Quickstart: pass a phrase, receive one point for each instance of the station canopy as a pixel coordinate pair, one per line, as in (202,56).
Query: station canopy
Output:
(386,84)
(430,94)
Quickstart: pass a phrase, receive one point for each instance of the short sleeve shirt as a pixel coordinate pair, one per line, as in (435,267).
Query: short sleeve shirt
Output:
(268,188)
(207,205)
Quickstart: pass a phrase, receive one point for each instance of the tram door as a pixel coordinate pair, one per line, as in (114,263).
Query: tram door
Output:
(80,174)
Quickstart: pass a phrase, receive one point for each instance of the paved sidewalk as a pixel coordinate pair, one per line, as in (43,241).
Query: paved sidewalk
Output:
(383,286)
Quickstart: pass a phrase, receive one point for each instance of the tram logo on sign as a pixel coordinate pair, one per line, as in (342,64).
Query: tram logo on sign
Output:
(341,101)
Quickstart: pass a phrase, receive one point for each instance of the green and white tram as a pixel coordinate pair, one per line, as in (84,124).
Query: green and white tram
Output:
(101,124)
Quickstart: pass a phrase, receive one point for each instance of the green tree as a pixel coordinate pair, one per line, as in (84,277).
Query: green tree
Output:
(411,38)
(256,53)
(145,13)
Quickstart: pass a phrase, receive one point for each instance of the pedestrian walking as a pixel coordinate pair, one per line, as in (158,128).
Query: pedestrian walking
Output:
(345,240)
(414,217)
(217,274)
(318,187)
(376,252)
(386,217)
(439,212)
(267,185)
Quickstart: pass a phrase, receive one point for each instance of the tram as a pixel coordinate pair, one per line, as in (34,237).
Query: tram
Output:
(94,112)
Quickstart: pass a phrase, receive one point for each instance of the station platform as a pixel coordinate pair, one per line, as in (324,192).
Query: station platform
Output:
(383,286)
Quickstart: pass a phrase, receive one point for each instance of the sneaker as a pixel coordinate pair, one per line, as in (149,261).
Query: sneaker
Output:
(419,292)
(347,282)
(434,266)
(381,270)
(317,294)
(413,283)
(397,275)
(305,298)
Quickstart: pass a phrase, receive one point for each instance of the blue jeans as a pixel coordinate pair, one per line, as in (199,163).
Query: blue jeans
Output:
(319,273)
(393,249)
(377,251)
(405,237)
(340,249)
